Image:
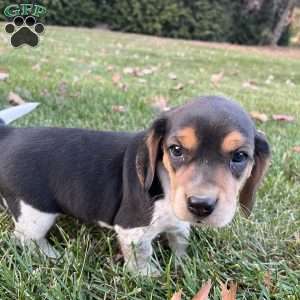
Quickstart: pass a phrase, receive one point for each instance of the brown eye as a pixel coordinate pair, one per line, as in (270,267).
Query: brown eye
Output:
(176,151)
(239,157)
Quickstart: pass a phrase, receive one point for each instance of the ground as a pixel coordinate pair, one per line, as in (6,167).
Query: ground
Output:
(77,76)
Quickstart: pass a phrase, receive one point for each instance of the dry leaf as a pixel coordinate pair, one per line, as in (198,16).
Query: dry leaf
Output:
(128,70)
(62,88)
(268,280)
(119,108)
(296,149)
(160,103)
(172,76)
(228,294)
(285,118)
(217,78)
(110,68)
(177,296)
(36,67)
(116,78)
(178,87)
(123,86)
(15,99)
(3,76)
(147,71)
(259,116)
(203,292)
(250,84)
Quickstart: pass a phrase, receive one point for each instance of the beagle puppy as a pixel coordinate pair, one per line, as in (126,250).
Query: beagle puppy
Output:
(188,168)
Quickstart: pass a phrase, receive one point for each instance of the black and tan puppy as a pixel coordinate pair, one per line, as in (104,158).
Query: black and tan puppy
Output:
(188,168)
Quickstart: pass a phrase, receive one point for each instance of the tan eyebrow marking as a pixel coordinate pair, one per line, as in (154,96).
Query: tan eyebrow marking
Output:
(232,141)
(187,137)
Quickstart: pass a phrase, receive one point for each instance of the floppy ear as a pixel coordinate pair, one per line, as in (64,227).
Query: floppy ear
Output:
(148,153)
(261,162)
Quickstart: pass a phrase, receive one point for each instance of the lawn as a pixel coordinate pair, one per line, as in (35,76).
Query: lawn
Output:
(74,75)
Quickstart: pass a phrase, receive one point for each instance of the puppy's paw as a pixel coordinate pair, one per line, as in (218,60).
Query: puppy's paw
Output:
(47,249)
(149,270)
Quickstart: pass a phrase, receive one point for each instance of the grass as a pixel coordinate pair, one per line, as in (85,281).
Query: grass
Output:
(69,73)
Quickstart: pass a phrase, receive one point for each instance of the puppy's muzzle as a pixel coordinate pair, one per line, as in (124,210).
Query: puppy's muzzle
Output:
(201,206)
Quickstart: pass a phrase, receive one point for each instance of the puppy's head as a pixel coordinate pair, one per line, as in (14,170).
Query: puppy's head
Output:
(211,154)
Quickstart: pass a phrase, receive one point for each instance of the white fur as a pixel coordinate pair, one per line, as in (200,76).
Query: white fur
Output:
(4,206)
(136,242)
(105,225)
(32,225)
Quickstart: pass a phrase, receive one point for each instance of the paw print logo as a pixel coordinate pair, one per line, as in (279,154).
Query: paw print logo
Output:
(24,32)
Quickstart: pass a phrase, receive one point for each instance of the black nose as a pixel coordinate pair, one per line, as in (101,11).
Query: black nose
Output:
(201,206)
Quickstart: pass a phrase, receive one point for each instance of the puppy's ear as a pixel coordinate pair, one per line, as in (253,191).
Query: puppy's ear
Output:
(148,153)
(261,162)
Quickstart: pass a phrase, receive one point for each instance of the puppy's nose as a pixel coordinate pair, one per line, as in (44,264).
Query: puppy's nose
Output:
(201,206)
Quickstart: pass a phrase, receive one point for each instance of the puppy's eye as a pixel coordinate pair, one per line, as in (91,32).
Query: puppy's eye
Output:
(176,151)
(239,157)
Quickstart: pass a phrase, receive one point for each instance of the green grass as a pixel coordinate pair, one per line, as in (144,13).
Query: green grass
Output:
(75,89)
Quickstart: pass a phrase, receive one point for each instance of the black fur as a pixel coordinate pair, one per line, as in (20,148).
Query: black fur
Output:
(73,171)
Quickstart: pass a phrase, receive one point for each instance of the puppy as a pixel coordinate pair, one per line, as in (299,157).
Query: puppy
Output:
(187,169)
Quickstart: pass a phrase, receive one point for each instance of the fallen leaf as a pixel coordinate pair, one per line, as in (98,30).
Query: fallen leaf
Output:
(259,116)
(204,291)
(177,296)
(15,99)
(3,76)
(119,108)
(147,71)
(110,68)
(217,78)
(172,76)
(285,118)
(62,88)
(128,70)
(160,103)
(36,67)
(228,294)
(250,84)
(116,78)
(123,86)
(296,149)
(268,280)
(178,87)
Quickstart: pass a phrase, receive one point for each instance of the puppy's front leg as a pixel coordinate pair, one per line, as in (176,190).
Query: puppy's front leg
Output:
(137,251)
(178,240)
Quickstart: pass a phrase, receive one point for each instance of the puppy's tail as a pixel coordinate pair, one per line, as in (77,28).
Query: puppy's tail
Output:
(10,114)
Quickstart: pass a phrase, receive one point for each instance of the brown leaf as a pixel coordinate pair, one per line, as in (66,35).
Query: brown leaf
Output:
(204,291)
(119,108)
(176,296)
(3,75)
(160,103)
(268,280)
(110,68)
(36,67)
(250,84)
(259,116)
(217,78)
(228,294)
(296,149)
(15,99)
(128,70)
(62,88)
(178,87)
(285,118)
(172,76)
(116,78)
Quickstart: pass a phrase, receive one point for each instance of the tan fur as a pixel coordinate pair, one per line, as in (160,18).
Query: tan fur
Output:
(187,137)
(232,141)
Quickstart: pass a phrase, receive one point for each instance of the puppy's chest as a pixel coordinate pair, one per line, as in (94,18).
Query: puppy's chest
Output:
(163,219)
